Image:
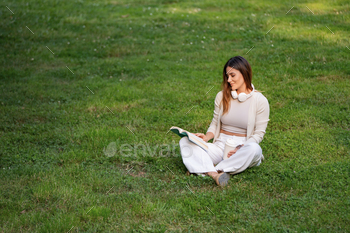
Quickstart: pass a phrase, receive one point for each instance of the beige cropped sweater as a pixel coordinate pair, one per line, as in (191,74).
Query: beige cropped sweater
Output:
(258,117)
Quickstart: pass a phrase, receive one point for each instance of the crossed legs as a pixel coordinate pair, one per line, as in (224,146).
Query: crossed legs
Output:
(199,161)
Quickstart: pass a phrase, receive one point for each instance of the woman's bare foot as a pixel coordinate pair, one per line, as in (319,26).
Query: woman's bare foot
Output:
(212,174)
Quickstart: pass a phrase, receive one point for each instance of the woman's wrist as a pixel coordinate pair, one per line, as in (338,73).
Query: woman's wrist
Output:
(209,136)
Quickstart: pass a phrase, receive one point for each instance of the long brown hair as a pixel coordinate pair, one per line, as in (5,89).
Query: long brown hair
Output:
(241,64)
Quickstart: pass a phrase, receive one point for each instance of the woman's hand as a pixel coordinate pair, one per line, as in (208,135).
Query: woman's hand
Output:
(202,136)
(232,152)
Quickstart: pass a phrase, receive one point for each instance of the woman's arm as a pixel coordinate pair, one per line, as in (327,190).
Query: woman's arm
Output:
(213,124)
(211,130)
(261,120)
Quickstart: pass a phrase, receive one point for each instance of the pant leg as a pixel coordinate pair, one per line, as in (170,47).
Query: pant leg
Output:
(248,156)
(198,160)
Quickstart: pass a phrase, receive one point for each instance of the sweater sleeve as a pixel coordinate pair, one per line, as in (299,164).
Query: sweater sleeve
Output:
(261,120)
(213,124)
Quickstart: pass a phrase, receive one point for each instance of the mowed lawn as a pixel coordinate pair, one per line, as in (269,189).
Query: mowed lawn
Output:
(89,90)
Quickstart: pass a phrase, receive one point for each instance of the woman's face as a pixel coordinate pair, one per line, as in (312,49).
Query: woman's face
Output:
(235,79)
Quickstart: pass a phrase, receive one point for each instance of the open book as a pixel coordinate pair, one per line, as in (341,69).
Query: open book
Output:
(193,138)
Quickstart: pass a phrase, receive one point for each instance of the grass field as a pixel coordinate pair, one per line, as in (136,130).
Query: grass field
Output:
(89,90)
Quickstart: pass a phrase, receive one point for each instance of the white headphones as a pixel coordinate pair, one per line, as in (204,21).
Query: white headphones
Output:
(242,96)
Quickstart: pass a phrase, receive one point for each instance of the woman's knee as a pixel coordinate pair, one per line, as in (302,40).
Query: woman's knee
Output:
(253,146)
(184,141)
(185,147)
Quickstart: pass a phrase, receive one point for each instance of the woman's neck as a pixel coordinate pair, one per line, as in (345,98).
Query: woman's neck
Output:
(243,90)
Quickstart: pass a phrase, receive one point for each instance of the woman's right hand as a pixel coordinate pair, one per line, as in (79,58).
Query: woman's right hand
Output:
(202,136)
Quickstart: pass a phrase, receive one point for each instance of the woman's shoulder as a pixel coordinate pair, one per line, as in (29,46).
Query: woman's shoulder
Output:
(260,97)
(218,98)
(219,94)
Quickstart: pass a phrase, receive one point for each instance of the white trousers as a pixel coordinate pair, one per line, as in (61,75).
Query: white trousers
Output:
(199,161)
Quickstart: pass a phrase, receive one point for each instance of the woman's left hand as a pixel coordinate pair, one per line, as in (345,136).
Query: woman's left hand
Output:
(232,152)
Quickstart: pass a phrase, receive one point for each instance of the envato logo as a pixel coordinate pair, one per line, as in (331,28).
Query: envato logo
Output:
(145,149)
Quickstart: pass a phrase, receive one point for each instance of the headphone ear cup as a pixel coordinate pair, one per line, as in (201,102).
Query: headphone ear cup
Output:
(242,97)
(234,94)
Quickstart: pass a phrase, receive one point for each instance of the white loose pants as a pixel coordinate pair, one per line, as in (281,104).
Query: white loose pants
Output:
(199,161)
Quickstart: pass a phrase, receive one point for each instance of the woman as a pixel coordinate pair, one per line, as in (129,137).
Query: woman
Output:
(241,113)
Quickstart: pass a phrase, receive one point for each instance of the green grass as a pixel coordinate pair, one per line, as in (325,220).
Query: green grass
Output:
(150,62)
